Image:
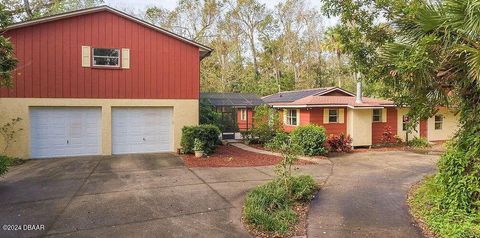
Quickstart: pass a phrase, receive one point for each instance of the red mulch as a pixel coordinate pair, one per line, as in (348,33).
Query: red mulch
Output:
(231,156)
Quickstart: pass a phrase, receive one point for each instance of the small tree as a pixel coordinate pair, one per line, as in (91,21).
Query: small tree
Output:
(266,122)
(8,132)
(208,114)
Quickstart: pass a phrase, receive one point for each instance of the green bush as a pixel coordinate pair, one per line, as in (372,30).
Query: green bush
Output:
(269,207)
(5,162)
(310,138)
(280,139)
(208,134)
(426,204)
(418,142)
(303,188)
(209,115)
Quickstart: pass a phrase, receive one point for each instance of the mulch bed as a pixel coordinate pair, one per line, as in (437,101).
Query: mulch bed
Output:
(231,156)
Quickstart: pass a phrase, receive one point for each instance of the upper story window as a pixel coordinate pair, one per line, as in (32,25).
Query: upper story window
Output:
(243,114)
(291,117)
(377,115)
(332,115)
(438,122)
(106,57)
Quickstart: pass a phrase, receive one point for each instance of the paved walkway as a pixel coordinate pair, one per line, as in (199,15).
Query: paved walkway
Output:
(364,196)
(266,152)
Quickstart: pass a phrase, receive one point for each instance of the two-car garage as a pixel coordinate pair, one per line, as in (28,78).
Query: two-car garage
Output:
(76,131)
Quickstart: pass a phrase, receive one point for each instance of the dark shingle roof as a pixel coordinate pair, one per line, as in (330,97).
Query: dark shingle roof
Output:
(290,96)
(232,99)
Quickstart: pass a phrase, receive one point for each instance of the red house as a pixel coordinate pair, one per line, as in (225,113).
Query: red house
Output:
(364,119)
(99,81)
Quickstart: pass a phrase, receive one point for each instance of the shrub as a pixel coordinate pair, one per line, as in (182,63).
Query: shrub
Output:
(208,114)
(418,142)
(303,188)
(5,162)
(426,204)
(269,207)
(266,123)
(8,132)
(387,136)
(279,139)
(208,134)
(339,143)
(310,138)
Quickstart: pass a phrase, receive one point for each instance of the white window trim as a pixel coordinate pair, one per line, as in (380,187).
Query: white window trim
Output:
(106,66)
(288,117)
(380,119)
(243,114)
(337,116)
(435,122)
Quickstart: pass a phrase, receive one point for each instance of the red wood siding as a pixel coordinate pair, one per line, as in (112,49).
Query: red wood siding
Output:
(379,127)
(316,117)
(304,120)
(161,67)
(242,124)
(423,129)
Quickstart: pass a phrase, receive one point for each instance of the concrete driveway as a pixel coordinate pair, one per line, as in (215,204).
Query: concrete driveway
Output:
(151,195)
(365,194)
(155,195)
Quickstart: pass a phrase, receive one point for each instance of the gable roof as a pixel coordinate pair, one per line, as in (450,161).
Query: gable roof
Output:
(232,99)
(290,96)
(204,50)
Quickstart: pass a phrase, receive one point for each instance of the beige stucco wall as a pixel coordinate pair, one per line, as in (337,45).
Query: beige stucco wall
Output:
(449,128)
(359,126)
(185,112)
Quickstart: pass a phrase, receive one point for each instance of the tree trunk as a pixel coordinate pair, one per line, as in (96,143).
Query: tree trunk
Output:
(28,10)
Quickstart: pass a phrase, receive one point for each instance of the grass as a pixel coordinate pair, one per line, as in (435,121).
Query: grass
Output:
(269,207)
(424,202)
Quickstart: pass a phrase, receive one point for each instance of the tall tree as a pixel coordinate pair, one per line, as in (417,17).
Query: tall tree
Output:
(29,9)
(8,61)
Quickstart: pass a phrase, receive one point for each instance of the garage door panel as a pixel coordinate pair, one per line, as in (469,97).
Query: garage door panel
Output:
(64,131)
(140,130)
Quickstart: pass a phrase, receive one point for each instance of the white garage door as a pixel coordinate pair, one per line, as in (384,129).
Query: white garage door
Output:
(141,130)
(64,131)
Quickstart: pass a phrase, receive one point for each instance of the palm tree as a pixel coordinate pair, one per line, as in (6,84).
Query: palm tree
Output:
(435,60)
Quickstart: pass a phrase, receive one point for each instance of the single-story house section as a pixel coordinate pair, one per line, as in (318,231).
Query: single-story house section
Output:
(99,82)
(237,111)
(364,119)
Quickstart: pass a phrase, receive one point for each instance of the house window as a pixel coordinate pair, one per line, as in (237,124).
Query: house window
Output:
(377,115)
(106,57)
(332,115)
(438,122)
(243,114)
(291,118)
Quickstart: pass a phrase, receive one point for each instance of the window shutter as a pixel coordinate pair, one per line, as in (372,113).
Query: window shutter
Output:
(298,117)
(125,58)
(384,115)
(284,116)
(325,116)
(85,56)
(340,115)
